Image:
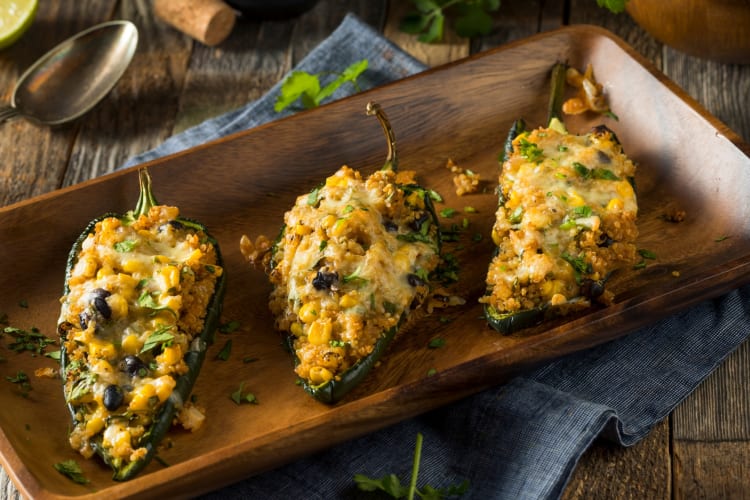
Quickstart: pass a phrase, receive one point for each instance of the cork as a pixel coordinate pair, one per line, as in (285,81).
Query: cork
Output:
(208,21)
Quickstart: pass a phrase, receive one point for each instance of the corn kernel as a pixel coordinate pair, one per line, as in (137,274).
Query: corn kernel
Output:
(575,199)
(110,224)
(101,349)
(104,271)
(118,305)
(308,312)
(95,423)
(168,277)
(320,375)
(339,228)
(328,221)
(496,237)
(625,190)
(615,205)
(163,387)
(132,266)
(558,299)
(302,230)
(348,300)
(170,355)
(320,332)
(141,397)
(131,344)
(161,259)
(296,329)
(415,199)
(336,181)
(194,257)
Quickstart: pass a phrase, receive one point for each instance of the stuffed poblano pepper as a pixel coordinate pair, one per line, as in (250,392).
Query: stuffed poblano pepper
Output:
(142,298)
(351,265)
(566,220)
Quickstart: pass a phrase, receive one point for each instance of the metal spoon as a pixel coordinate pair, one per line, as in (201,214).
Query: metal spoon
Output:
(74,76)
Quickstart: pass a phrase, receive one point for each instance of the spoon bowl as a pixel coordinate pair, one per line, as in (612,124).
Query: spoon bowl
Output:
(74,76)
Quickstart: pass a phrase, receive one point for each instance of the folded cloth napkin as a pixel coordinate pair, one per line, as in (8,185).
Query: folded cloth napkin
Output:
(522,439)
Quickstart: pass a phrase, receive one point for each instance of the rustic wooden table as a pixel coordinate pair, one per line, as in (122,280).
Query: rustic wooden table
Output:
(701,451)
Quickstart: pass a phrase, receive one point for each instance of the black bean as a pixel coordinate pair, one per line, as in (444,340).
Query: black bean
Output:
(591,288)
(84,319)
(100,302)
(324,280)
(415,280)
(390,226)
(113,397)
(416,224)
(603,157)
(133,365)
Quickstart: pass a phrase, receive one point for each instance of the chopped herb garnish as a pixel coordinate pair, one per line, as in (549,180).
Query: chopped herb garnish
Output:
(24,304)
(640,265)
(323,245)
(238,397)
(530,150)
(158,337)
(225,351)
(249,359)
(431,372)
(721,238)
(71,470)
(125,246)
(646,254)
(229,327)
(448,212)
(477,237)
(313,197)
(147,301)
(27,340)
(470,210)
(434,196)
(436,343)
(516,216)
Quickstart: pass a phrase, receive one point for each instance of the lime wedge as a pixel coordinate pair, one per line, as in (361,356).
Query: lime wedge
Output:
(15,18)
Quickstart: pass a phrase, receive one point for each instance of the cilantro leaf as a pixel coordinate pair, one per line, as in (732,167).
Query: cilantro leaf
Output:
(71,470)
(614,6)
(307,87)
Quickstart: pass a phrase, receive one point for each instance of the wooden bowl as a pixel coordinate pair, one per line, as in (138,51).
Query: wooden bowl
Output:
(710,29)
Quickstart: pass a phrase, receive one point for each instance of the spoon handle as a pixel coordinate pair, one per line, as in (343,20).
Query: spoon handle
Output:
(8,112)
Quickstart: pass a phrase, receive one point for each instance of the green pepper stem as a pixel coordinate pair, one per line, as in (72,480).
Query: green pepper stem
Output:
(557,94)
(391,160)
(146,198)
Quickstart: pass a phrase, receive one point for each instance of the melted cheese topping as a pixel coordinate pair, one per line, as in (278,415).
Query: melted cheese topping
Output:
(566,220)
(137,298)
(352,261)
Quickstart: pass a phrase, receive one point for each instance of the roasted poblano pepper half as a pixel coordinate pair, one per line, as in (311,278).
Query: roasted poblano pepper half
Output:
(565,220)
(351,265)
(142,297)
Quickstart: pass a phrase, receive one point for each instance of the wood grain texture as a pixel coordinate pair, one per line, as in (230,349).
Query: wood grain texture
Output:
(611,471)
(250,199)
(43,163)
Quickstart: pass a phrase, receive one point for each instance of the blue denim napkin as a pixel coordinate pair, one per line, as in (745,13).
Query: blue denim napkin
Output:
(522,439)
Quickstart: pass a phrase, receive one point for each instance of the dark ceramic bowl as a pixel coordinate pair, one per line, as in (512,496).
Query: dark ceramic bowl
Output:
(271,9)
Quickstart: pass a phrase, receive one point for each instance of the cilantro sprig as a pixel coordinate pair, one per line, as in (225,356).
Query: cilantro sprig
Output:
(309,90)
(391,485)
(470,17)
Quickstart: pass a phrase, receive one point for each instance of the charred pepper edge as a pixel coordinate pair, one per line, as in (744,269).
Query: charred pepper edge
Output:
(334,390)
(507,323)
(193,358)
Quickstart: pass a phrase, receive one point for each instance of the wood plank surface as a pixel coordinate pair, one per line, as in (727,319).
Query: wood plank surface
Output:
(701,451)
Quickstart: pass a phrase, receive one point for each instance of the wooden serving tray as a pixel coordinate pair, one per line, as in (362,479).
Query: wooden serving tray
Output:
(243,185)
